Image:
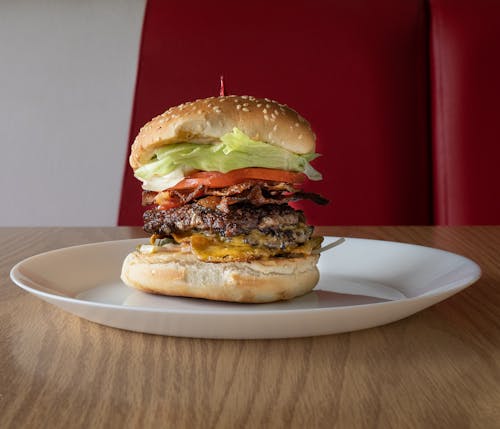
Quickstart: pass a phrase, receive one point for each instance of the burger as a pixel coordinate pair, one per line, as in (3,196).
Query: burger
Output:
(218,175)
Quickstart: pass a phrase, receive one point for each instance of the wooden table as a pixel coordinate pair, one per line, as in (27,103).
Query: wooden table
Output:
(439,368)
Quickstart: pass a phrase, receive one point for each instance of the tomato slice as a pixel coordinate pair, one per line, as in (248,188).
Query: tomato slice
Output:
(215,179)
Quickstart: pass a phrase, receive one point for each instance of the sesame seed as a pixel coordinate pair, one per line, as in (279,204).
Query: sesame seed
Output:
(265,110)
(300,137)
(266,117)
(199,111)
(268,105)
(275,127)
(259,105)
(238,106)
(217,109)
(245,104)
(276,112)
(245,109)
(297,124)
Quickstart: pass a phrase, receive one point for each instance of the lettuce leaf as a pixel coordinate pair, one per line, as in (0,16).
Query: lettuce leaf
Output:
(234,151)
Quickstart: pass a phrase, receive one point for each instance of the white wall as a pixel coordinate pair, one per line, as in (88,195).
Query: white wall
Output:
(67,76)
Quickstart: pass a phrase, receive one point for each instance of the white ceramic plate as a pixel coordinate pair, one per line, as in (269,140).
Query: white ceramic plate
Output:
(364,283)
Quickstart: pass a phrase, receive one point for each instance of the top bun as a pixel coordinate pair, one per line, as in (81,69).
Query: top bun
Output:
(208,119)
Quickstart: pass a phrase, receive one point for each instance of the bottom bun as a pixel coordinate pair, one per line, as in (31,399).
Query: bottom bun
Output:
(182,274)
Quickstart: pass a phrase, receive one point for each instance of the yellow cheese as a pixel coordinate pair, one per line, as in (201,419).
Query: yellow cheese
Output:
(212,249)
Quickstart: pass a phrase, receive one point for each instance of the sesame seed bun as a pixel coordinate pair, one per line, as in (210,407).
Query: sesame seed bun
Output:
(206,120)
(182,274)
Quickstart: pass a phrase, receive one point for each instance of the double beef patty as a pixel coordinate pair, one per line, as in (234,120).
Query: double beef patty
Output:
(282,224)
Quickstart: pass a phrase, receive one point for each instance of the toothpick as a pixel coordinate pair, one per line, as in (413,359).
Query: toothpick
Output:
(329,246)
(222,92)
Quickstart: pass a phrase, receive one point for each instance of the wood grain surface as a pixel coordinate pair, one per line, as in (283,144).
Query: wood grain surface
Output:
(437,369)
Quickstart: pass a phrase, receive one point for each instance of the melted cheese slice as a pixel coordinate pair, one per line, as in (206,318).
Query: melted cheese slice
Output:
(212,249)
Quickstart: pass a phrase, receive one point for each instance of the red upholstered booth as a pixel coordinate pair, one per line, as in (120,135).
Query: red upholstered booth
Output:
(465,70)
(359,71)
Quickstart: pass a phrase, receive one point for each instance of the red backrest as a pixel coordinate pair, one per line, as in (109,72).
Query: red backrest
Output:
(465,71)
(355,69)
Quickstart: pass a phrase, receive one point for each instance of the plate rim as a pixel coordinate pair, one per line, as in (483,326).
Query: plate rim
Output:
(16,277)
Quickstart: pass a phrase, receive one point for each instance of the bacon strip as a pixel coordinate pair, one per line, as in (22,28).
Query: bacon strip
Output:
(257,193)
(148,197)
(182,197)
(255,197)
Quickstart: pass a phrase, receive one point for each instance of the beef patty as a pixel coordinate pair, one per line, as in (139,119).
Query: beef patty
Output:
(282,225)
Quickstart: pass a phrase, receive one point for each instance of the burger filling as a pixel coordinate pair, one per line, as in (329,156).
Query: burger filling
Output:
(251,220)
(228,200)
